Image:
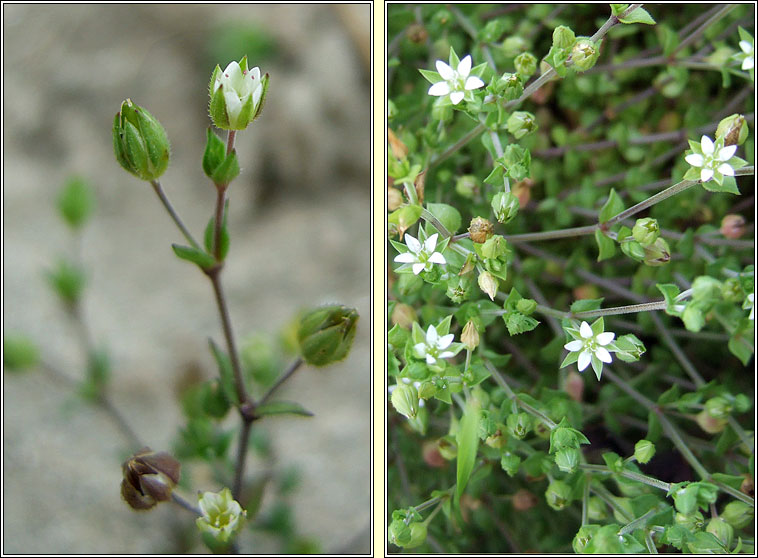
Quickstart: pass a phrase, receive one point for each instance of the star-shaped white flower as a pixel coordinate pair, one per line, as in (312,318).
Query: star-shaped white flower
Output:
(434,346)
(713,159)
(749,62)
(590,345)
(422,256)
(456,82)
(748,305)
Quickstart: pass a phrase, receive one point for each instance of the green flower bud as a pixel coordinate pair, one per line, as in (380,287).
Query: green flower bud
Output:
(519,425)
(646,231)
(718,407)
(584,54)
(467,185)
(510,463)
(526,64)
(407,535)
(427,390)
(447,449)
(721,530)
(326,334)
(563,37)
(140,142)
(644,450)
(521,123)
(596,509)
(497,440)
(510,86)
(742,403)
(567,459)
(488,283)
(420,422)
(470,336)
(710,424)
(633,249)
(731,291)
(480,229)
(526,306)
(237,95)
(691,522)
(558,495)
(405,399)
(494,247)
(222,515)
(149,478)
(657,254)
(583,537)
(459,288)
(733,129)
(738,514)
(505,206)
(513,45)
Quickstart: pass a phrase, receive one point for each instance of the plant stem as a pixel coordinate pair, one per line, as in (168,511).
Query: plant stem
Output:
(239,470)
(651,481)
(181,502)
(219,221)
(167,204)
(513,397)
(283,378)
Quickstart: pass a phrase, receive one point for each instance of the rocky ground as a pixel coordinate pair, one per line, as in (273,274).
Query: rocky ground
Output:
(300,220)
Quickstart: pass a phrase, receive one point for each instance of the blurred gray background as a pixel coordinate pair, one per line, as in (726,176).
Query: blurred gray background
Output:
(299,222)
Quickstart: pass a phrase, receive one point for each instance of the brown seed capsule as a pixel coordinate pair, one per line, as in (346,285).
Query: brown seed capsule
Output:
(432,455)
(524,500)
(417,33)
(480,229)
(733,226)
(149,478)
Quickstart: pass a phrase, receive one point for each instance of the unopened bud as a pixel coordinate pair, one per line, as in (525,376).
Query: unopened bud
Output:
(733,129)
(584,54)
(692,522)
(521,123)
(721,530)
(140,142)
(488,283)
(526,64)
(447,449)
(505,206)
(644,450)
(710,424)
(731,291)
(657,254)
(470,336)
(718,407)
(523,191)
(646,231)
(480,230)
(633,249)
(526,306)
(558,495)
(149,478)
(405,399)
(567,459)
(510,463)
(494,247)
(738,514)
(427,390)
(563,37)
(519,425)
(733,226)
(497,440)
(237,95)
(326,334)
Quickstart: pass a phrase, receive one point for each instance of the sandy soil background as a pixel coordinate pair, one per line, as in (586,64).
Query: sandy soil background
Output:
(300,220)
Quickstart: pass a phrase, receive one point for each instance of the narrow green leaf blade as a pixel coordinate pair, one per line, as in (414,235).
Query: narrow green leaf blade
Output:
(282,408)
(467,439)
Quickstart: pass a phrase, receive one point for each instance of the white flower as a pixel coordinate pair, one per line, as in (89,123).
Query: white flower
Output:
(434,347)
(713,159)
(422,256)
(222,515)
(590,345)
(456,82)
(748,305)
(241,87)
(749,62)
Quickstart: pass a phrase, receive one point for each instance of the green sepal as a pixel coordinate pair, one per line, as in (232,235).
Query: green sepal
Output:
(202,259)
(214,153)
(430,76)
(606,247)
(218,108)
(262,101)
(155,141)
(135,151)
(282,408)
(728,184)
(227,171)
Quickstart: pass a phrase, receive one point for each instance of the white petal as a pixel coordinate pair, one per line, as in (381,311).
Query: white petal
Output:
(437,258)
(445,341)
(726,153)
(464,67)
(473,83)
(406,257)
(695,159)
(446,354)
(418,268)
(420,350)
(430,359)
(706,174)
(232,70)
(706,145)
(585,330)
(439,89)
(445,71)
(432,336)
(584,360)
(726,170)
(603,355)
(431,243)
(748,63)
(233,105)
(574,346)
(413,244)
(605,337)
(456,97)
(746,47)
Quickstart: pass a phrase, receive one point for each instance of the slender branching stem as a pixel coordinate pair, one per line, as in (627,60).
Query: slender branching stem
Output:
(239,469)
(631,475)
(182,503)
(174,215)
(283,378)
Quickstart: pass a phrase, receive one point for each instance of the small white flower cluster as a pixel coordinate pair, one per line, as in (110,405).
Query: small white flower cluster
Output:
(713,159)
(421,256)
(455,81)
(591,346)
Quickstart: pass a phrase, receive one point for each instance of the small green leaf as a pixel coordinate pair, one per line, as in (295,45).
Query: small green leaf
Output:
(214,153)
(227,171)
(282,408)
(68,281)
(606,246)
(586,305)
(430,76)
(639,15)
(613,206)
(210,231)
(729,185)
(467,439)
(447,215)
(76,202)
(19,352)
(194,255)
